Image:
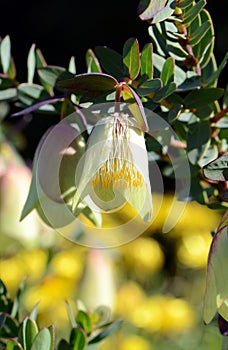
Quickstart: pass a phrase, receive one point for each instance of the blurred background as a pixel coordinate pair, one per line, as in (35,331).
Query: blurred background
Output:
(155,283)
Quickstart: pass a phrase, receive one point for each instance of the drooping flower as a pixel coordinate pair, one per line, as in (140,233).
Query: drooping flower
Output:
(114,169)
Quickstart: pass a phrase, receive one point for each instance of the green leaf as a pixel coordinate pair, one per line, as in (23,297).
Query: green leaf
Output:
(92,62)
(77,339)
(30,93)
(8,94)
(165,13)
(212,78)
(72,65)
(193,12)
(198,140)
(40,60)
(204,49)
(9,327)
(216,294)
(197,36)
(50,74)
(210,154)
(17,298)
(12,344)
(148,9)
(103,313)
(147,61)
(218,169)
(71,315)
(111,61)
(30,332)
(33,198)
(200,97)
(165,91)
(31,64)
(5,54)
(63,345)
(42,340)
(149,87)
(89,84)
(135,106)
(174,113)
(108,329)
(84,321)
(131,58)
(167,73)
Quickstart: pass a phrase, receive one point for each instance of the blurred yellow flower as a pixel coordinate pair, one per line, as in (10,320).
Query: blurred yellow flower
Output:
(134,342)
(51,290)
(164,314)
(194,248)
(68,263)
(129,297)
(144,255)
(25,264)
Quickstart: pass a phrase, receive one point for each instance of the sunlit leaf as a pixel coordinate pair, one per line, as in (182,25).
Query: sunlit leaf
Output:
(135,106)
(50,74)
(84,321)
(167,73)
(159,9)
(42,340)
(131,58)
(218,169)
(8,94)
(92,62)
(193,12)
(72,65)
(147,61)
(5,53)
(77,339)
(31,63)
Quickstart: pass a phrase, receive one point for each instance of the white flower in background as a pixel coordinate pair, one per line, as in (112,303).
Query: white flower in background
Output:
(114,169)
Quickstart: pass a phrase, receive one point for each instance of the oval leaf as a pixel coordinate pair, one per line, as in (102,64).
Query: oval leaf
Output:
(198,140)
(131,58)
(149,9)
(147,61)
(111,61)
(42,340)
(201,97)
(77,339)
(89,84)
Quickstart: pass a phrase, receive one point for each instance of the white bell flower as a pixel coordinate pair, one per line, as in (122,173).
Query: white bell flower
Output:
(114,169)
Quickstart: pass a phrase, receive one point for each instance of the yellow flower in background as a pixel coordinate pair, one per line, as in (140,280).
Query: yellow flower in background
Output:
(194,248)
(144,255)
(129,297)
(164,314)
(25,264)
(69,263)
(134,342)
(115,167)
